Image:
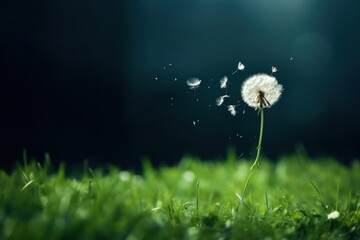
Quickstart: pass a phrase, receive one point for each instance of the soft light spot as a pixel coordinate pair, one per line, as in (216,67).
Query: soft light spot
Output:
(333,215)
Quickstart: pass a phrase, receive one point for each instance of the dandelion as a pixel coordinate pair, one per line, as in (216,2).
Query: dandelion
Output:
(273,69)
(240,67)
(223,82)
(220,99)
(260,91)
(231,109)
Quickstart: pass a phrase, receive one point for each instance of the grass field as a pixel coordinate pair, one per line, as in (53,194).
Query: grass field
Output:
(289,199)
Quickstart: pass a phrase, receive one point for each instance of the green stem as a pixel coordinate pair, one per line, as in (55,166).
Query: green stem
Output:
(256,162)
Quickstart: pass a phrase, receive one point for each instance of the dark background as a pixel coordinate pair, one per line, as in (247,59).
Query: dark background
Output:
(95,80)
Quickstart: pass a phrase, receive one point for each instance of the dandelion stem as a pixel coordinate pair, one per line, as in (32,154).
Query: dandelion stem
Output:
(256,162)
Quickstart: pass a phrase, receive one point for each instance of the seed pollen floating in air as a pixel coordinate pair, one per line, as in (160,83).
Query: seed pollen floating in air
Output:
(220,99)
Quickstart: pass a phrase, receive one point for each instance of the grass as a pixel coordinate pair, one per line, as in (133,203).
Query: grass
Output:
(289,199)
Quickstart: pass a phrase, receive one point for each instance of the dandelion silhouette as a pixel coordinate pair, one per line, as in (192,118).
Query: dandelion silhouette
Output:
(260,91)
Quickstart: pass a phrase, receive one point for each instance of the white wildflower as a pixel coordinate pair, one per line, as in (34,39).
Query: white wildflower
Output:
(220,99)
(333,215)
(273,69)
(231,109)
(193,83)
(240,67)
(261,90)
(223,82)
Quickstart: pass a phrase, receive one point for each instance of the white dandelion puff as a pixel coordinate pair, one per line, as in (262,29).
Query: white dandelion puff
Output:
(333,215)
(231,109)
(223,82)
(193,83)
(240,67)
(273,69)
(220,99)
(261,90)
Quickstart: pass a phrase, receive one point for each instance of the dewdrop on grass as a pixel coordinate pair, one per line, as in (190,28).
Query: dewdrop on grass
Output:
(220,99)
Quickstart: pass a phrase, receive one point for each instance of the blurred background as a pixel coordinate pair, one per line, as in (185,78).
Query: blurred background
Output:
(105,80)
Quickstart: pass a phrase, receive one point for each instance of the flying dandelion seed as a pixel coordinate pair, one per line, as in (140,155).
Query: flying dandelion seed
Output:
(220,99)
(273,69)
(156,78)
(223,82)
(193,83)
(194,123)
(291,58)
(231,109)
(240,67)
(170,64)
(175,79)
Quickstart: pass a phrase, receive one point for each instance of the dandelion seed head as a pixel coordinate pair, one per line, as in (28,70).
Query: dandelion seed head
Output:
(220,99)
(261,90)
(223,82)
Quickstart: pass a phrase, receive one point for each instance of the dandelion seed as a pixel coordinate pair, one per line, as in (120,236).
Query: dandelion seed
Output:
(164,68)
(273,69)
(175,79)
(198,120)
(170,64)
(208,86)
(194,123)
(223,82)
(231,109)
(193,83)
(156,78)
(261,90)
(291,58)
(240,67)
(333,215)
(220,99)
